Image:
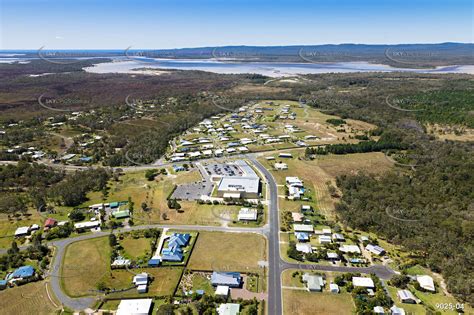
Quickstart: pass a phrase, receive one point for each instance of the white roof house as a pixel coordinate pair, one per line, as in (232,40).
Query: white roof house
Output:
(294,181)
(303,228)
(374,249)
(405,296)
(397,310)
(281,166)
(228,309)
(334,288)
(87,225)
(247,214)
(324,239)
(350,249)
(222,290)
(304,248)
(426,282)
(134,307)
(363,282)
(21,231)
(140,279)
(379,310)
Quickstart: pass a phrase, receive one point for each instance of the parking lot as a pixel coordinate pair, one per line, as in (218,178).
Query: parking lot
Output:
(192,191)
(223,170)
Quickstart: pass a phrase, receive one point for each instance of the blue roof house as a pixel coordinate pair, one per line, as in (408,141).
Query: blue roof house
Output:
(178,239)
(230,279)
(178,168)
(22,272)
(302,236)
(172,254)
(154,262)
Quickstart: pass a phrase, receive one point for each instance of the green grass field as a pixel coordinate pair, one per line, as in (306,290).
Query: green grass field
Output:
(302,302)
(164,283)
(218,251)
(135,247)
(31,298)
(88,257)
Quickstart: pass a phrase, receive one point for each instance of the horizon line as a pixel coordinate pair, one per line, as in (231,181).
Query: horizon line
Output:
(237,45)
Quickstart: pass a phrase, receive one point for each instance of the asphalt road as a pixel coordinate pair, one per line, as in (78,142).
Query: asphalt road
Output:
(274,261)
(85,302)
(276,265)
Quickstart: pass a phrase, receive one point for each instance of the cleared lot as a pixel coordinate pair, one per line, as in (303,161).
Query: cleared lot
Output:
(228,252)
(302,302)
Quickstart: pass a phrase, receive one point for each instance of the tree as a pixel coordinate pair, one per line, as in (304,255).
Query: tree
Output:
(101,286)
(112,240)
(131,204)
(76,215)
(144,206)
(151,174)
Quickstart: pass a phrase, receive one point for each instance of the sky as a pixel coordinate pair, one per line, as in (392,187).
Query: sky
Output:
(147,24)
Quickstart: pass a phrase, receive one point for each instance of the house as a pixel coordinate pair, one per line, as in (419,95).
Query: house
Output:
(406,296)
(426,283)
(350,249)
(302,236)
(222,290)
(81,226)
(228,309)
(141,282)
(50,223)
(379,310)
(314,283)
(285,155)
(308,228)
(295,187)
(306,208)
(247,214)
(230,279)
(281,166)
(3,284)
(374,249)
(338,237)
(326,231)
(120,262)
(325,239)
(332,256)
(363,282)
(394,310)
(134,307)
(154,262)
(179,239)
(24,272)
(304,248)
(333,288)
(121,214)
(174,253)
(22,231)
(178,168)
(140,279)
(297,217)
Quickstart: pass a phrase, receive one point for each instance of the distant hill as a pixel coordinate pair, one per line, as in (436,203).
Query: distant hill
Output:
(414,55)
(403,55)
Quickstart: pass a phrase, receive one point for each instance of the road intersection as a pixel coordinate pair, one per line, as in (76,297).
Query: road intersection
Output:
(276,265)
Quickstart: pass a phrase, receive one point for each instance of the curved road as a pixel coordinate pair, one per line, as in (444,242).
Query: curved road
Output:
(61,245)
(276,264)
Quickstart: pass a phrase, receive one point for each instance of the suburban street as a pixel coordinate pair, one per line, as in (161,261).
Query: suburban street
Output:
(276,265)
